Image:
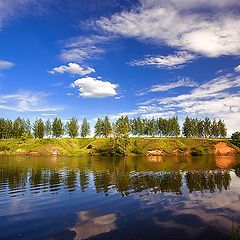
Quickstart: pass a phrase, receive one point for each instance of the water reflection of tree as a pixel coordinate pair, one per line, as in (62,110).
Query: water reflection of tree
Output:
(17,179)
(54,181)
(84,180)
(237,169)
(102,181)
(70,180)
(164,182)
(106,175)
(36,177)
(207,180)
(122,182)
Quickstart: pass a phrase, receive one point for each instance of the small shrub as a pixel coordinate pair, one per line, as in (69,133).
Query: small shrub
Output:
(118,146)
(235,139)
(24,137)
(197,152)
(101,151)
(136,149)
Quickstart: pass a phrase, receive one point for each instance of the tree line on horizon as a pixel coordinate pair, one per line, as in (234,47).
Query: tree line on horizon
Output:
(21,128)
(122,127)
(161,127)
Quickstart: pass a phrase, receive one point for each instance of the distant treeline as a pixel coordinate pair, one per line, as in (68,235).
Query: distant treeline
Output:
(122,127)
(161,127)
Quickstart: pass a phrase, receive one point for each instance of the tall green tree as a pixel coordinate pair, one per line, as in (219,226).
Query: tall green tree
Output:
(162,127)
(27,128)
(214,128)
(120,142)
(106,127)
(200,128)
(98,128)
(136,126)
(57,127)
(38,128)
(222,129)
(85,128)
(122,127)
(194,127)
(139,126)
(8,133)
(2,128)
(18,127)
(187,128)
(48,128)
(207,127)
(152,127)
(72,127)
(133,126)
(173,128)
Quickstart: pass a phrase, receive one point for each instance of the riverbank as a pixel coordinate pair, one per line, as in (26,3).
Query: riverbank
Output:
(101,146)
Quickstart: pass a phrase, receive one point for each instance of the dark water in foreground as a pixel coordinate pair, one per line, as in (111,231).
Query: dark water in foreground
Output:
(132,198)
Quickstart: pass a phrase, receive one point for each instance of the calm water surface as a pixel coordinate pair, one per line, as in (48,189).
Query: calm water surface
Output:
(107,198)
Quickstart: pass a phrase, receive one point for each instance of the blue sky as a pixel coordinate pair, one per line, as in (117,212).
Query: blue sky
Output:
(144,58)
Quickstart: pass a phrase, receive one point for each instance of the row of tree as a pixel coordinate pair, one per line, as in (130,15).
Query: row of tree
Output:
(193,127)
(21,128)
(138,127)
(122,127)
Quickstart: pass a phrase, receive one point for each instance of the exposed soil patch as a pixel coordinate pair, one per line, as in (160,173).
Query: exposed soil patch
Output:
(156,152)
(34,153)
(179,151)
(222,148)
(161,152)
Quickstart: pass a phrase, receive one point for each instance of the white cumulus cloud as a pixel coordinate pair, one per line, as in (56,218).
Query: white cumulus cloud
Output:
(90,87)
(182,24)
(72,68)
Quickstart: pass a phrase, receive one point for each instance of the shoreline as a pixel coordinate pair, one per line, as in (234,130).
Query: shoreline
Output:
(102,146)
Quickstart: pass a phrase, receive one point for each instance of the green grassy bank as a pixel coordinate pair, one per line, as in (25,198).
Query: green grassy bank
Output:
(136,146)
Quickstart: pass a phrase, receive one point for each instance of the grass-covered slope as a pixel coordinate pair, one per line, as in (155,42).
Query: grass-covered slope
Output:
(138,146)
(177,145)
(63,146)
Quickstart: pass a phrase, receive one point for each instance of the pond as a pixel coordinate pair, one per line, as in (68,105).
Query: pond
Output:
(128,198)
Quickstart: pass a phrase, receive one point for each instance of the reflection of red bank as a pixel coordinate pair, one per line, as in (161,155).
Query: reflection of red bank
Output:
(155,158)
(225,161)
